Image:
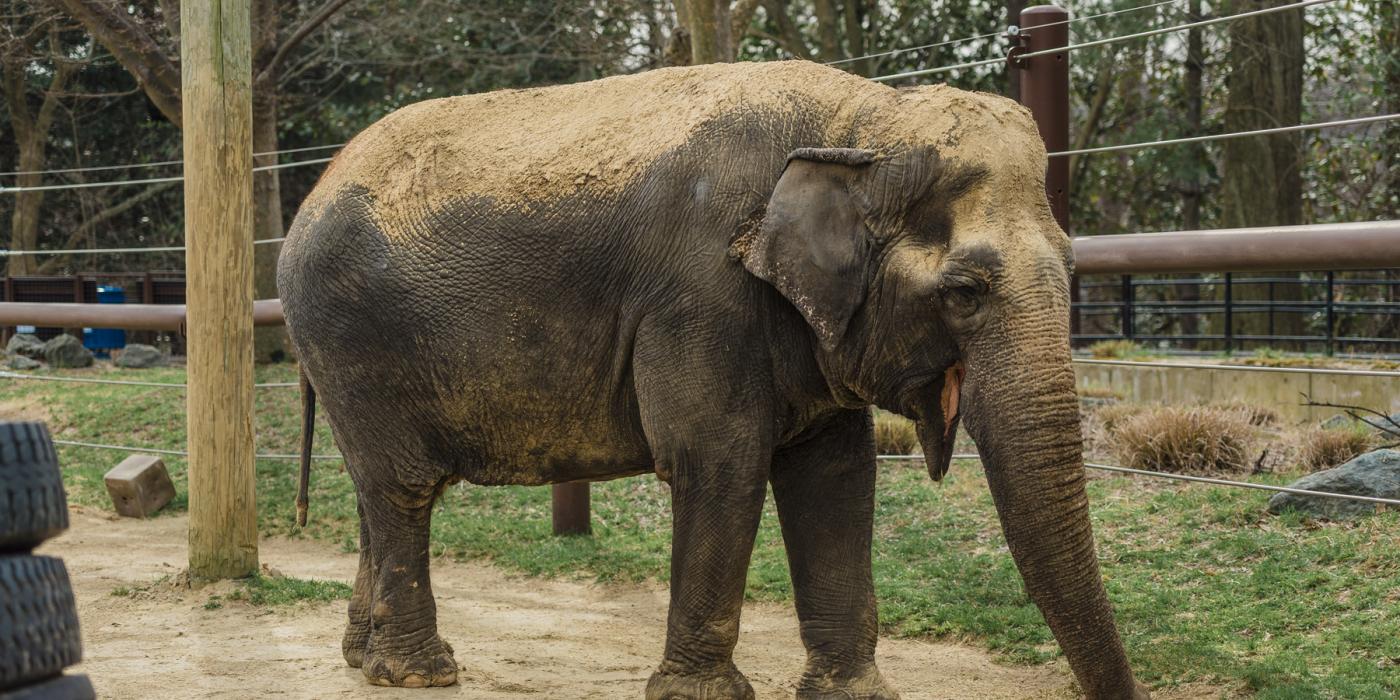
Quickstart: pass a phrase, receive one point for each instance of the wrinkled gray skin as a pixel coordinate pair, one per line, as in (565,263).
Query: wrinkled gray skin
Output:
(726,343)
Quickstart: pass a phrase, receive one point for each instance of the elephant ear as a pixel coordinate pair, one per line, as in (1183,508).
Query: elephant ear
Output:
(812,246)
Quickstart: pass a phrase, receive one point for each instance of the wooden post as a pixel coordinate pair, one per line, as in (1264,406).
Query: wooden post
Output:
(216,85)
(571,506)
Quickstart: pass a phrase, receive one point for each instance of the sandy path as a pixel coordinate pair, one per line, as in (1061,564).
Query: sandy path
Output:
(515,637)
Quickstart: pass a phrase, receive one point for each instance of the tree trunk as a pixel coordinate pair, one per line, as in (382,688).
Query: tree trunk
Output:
(270,342)
(1261,178)
(854,13)
(827,33)
(710,26)
(31,130)
(1388,46)
(1195,157)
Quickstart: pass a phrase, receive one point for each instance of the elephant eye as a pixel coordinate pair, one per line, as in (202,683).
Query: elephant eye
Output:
(962,296)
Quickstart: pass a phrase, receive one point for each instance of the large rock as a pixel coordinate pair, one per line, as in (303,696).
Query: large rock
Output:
(66,351)
(138,356)
(1375,474)
(1382,425)
(25,344)
(22,362)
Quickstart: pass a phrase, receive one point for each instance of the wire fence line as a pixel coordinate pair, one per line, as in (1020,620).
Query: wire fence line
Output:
(1231,135)
(1245,368)
(1089,465)
(1186,477)
(162,163)
(151,180)
(181,453)
(124,382)
(1102,42)
(989,35)
(118,251)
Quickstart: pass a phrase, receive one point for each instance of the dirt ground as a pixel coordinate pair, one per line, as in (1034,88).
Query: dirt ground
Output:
(515,637)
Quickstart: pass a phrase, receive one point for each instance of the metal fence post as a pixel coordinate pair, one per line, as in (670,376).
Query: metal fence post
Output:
(1331,314)
(570,501)
(1229,313)
(1127,295)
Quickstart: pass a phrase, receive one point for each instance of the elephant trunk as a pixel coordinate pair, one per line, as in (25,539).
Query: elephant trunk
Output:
(1023,413)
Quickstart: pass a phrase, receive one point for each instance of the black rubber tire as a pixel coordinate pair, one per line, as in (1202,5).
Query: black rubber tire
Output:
(38,620)
(60,688)
(33,507)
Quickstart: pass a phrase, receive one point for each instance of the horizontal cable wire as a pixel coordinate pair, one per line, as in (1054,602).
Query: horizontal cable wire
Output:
(1177,28)
(988,35)
(1232,135)
(921,47)
(151,180)
(1245,368)
(114,251)
(97,168)
(1102,42)
(1184,477)
(124,382)
(178,453)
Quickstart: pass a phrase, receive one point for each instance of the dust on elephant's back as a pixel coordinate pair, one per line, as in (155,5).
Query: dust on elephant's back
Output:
(522,148)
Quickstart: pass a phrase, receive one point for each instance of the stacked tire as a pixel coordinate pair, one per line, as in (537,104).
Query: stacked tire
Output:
(38,619)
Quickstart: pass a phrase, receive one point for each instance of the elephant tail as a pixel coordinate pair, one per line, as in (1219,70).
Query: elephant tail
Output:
(308,436)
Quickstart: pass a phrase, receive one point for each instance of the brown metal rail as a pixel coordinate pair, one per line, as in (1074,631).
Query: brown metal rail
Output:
(1360,246)
(1366,245)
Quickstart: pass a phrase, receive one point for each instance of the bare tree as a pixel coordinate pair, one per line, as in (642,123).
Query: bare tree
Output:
(144,38)
(31,35)
(1261,176)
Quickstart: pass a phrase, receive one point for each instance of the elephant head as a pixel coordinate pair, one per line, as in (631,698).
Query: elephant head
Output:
(936,284)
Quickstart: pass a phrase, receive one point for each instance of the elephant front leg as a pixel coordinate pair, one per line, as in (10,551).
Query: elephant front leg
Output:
(716,509)
(824,488)
(403,648)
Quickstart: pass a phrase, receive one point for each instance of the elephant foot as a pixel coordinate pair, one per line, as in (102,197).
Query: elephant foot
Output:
(866,685)
(353,644)
(670,682)
(430,665)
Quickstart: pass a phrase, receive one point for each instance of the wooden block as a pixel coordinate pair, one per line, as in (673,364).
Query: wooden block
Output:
(139,486)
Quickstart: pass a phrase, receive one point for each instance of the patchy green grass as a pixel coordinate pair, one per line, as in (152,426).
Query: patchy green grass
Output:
(285,590)
(1207,586)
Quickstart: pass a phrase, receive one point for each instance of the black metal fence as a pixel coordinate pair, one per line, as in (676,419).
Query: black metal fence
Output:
(1334,313)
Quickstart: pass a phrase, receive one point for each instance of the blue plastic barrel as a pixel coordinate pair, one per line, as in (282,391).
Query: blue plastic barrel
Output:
(101,340)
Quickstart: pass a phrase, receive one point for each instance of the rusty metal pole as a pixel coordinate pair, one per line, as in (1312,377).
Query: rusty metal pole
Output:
(1045,92)
(571,503)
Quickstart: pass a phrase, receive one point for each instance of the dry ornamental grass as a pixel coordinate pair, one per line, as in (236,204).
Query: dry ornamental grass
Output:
(1184,439)
(895,434)
(1323,448)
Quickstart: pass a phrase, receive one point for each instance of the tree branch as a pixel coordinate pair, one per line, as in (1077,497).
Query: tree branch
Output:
(788,36)
(98,219)
(328,10)
(1393,429)
(136,50)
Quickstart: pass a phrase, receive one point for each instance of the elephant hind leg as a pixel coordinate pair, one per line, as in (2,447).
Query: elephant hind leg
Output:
(356,638)
(392,631)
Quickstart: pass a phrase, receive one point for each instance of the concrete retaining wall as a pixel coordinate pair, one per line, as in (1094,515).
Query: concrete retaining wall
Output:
(1282,391)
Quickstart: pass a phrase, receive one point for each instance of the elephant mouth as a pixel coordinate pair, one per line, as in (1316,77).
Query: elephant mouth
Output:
(935,410)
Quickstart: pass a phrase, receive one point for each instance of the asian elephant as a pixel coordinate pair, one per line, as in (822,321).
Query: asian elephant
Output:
(710,273)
